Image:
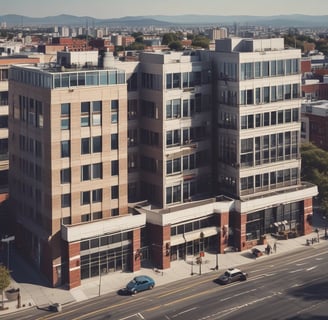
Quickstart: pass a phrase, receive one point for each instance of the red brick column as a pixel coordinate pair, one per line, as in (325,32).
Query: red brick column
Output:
(136,254)
(240,232)
(308,211)
(74,269)
(166,253)
(160,237)
(223,231)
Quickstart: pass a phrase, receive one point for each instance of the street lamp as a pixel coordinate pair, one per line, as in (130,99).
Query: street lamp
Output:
(8,240)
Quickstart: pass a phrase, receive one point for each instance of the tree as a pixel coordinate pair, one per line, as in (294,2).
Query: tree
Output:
(136,46)
(176,45)
(169,38)
(201,41)
(4,280)
(315,170)
(137,34)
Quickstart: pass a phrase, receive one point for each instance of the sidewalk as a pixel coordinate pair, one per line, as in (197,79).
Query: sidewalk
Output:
(35,292)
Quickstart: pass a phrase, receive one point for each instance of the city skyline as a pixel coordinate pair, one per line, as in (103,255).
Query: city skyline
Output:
(103,9)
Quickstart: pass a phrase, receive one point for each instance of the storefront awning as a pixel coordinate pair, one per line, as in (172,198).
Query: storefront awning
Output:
(194,235)
(175,240)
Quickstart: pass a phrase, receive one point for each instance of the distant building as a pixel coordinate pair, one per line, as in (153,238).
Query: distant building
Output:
(314,80)
(218,33)
(127,40)
(315,123)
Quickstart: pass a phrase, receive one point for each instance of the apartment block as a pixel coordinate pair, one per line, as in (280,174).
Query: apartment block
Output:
(114,164)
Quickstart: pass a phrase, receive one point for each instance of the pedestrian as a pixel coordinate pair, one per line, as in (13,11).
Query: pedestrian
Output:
(275,247)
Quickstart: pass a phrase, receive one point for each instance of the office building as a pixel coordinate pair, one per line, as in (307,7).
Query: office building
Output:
(165,158)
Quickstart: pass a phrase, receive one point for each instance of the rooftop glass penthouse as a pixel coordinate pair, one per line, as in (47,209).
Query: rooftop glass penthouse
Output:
(54,77)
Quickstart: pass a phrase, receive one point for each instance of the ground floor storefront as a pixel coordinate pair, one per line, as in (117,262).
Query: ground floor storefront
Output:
(160,237)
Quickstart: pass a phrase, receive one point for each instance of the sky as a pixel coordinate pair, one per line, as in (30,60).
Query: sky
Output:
(103,9)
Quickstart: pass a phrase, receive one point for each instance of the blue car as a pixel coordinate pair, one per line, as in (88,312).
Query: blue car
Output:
(140,283)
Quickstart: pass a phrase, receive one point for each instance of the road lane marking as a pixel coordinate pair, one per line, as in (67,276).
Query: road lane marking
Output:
(237,295)
(297,270)
(183,312)
(139,315)
(182,288)
(223,313)
(311,268)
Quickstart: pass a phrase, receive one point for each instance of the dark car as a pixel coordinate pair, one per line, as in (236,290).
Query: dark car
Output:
(232,275)
(140,283)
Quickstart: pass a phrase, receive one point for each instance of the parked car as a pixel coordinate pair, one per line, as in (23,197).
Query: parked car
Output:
(232,275)
(140,283)
(256,252)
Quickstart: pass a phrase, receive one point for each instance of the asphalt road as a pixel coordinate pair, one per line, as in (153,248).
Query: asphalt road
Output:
(293,287)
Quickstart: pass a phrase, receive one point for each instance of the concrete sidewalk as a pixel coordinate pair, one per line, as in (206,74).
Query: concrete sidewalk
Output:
(35,293)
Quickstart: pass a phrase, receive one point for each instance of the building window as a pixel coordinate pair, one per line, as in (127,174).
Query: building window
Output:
(65,149)
(96,195)
(132,109)
(114,141)
(65,109)
(4,121)
(66,220)
(173,80)
(173,108)
(66,200)
(96,113)
(173,194)
(93,110)
(4,98)
(114,168)
(96,144)
(93,171)
(265,68)
(4,148)
(64,124)
(85,172)
(173,166)
(85,114)
(97,215)
(97,171)
(280,67)
(173,138)
(65,175)
(86,217)
(114,111)
(114,192)
(85,146)
(114,212)
(85,197)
